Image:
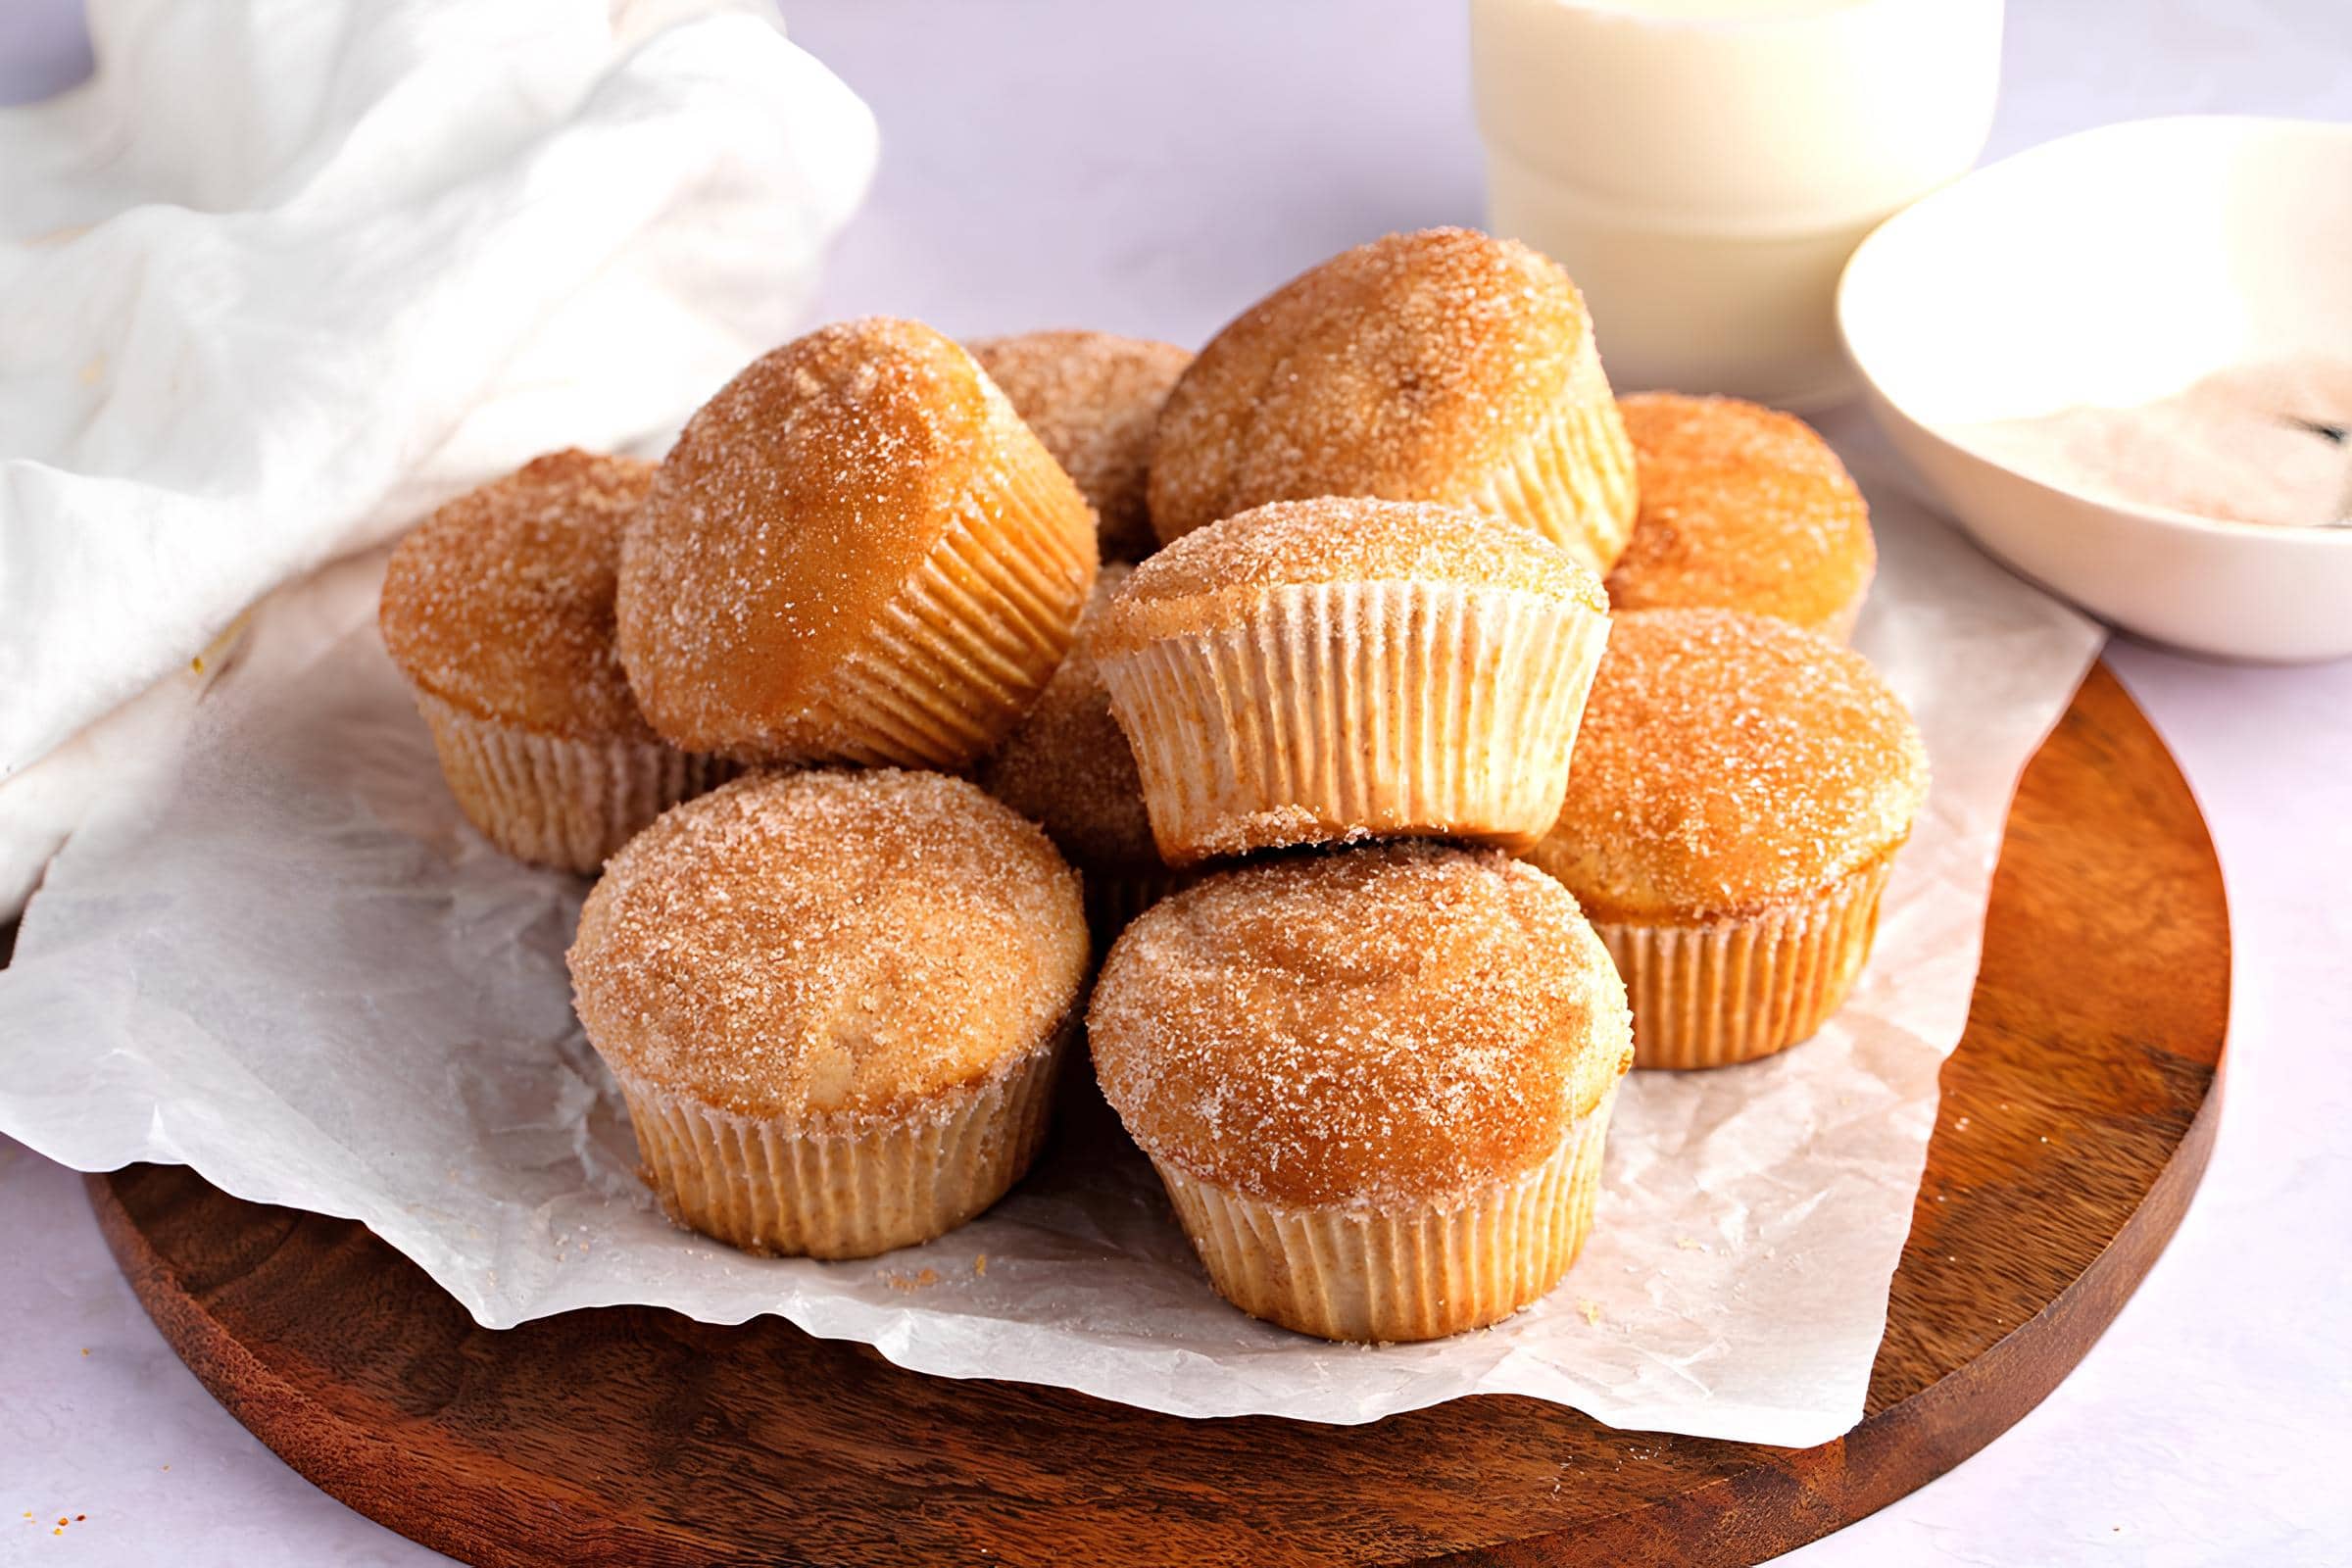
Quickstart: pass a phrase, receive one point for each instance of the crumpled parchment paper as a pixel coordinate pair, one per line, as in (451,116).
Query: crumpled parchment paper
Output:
(275,953)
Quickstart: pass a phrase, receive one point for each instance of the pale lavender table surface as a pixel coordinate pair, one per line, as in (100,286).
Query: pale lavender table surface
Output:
(1149,170)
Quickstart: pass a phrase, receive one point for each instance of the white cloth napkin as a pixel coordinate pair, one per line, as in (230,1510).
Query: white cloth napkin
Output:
(283,274)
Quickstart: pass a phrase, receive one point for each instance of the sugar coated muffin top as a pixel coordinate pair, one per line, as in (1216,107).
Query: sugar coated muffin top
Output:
(1743,508)
(1728,763)
(1408,367)
(1215,576)
(500,603)
(826,946)
(1402,1023)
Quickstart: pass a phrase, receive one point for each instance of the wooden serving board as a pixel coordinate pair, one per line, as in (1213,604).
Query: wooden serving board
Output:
(2076,1118)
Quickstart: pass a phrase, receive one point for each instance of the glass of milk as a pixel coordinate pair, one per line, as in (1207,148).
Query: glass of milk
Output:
(1703,168)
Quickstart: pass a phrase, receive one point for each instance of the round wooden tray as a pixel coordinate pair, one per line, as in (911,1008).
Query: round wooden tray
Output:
(2076,1118)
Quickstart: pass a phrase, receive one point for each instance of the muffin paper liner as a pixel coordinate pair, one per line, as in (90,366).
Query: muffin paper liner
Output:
(896,1181)
(1707,995)
(563,803)
(1409,1272)
(1573,480)
(967,641)
(1353,711)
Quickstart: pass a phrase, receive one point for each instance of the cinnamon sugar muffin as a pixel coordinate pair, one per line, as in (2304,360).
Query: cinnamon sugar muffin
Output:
(834,1003)
(1349,668)
(1442,366)
(499,609)
(1093,399)
(1739,792)
(1743,508)
(1068,767)
(1375,1083)
(856,551)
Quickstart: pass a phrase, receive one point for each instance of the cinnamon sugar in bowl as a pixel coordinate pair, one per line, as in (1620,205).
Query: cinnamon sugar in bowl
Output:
(834,1003)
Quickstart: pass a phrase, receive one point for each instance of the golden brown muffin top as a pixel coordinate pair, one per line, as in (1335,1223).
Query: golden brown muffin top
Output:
(1399,1024)
(1067,765)
(500,603)
(1094,399)
(1727,763)
(1216,576)
(824,947)
(1410,368)
(1743,508)
(795,505)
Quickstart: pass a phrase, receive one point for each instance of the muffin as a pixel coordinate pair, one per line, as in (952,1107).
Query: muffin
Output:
(1741,509)
(1739,792)
(499,609)
(1068,767)
(1445,366)
(1093,399)
(856,552)
(834,1003)
(1375,1083)
(1349,668)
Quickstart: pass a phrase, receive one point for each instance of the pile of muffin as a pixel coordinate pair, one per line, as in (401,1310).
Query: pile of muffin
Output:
(1462,737)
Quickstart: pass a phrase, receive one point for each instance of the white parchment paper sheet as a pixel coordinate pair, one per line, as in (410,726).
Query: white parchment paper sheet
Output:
(276,954)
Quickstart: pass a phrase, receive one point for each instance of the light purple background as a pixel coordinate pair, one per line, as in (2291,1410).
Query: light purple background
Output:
(1150,168)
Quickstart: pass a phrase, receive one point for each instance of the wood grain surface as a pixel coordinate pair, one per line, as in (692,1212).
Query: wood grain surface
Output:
(2076,1119)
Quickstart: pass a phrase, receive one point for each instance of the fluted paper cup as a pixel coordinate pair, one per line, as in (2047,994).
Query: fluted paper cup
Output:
(852,1191)
(1407,1272)
(1341,712)
(568,804)
(1724,990)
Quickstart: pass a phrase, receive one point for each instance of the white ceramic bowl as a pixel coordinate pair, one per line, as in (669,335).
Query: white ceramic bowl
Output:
(2114,266)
